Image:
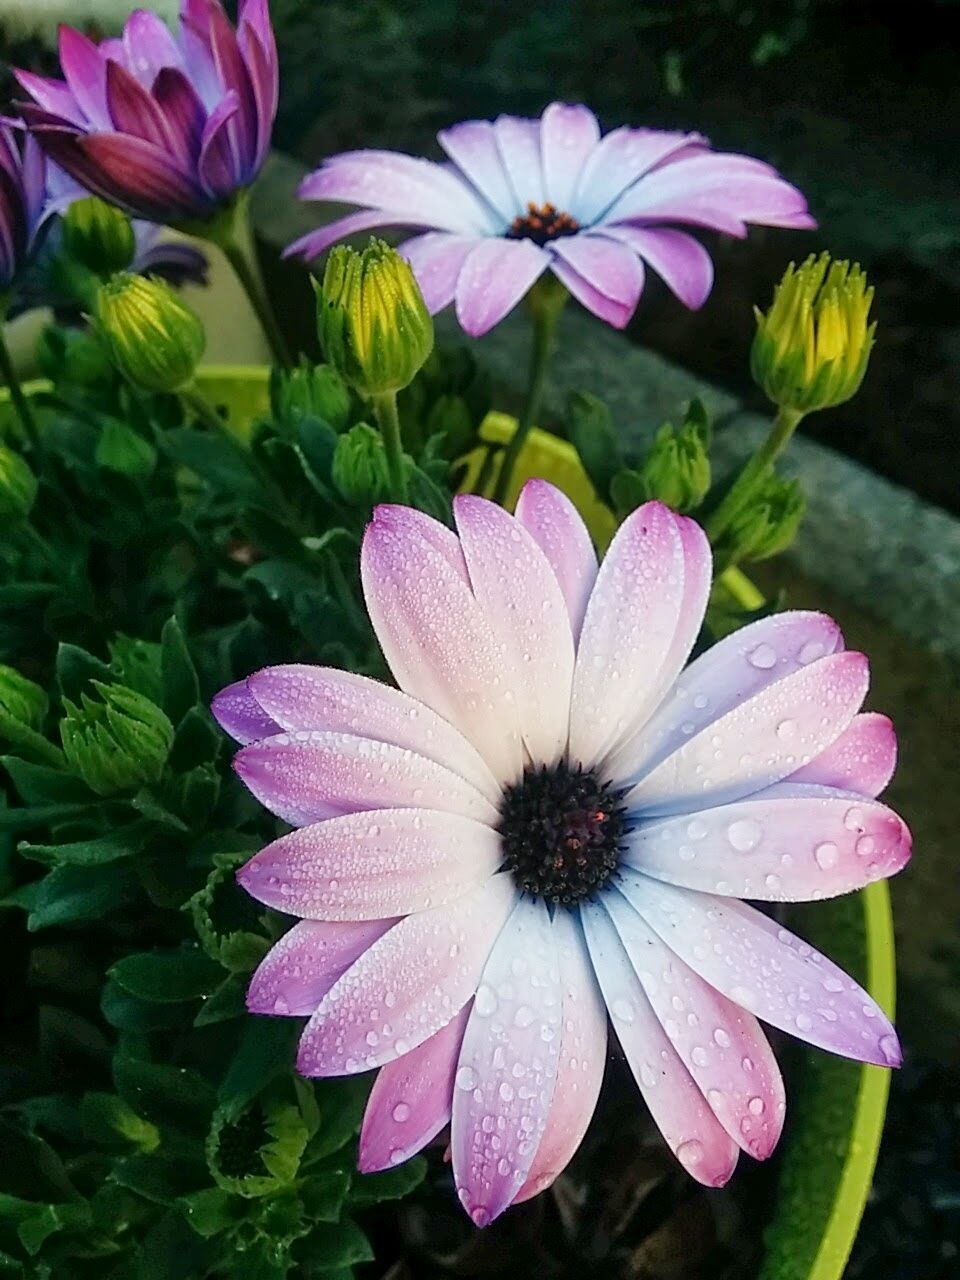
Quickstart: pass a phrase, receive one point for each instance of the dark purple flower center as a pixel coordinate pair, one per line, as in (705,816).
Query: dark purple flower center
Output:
(542,222)
(561,831)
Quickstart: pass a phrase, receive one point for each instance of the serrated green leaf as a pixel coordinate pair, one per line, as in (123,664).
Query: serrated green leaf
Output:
(181,688)
(98,851)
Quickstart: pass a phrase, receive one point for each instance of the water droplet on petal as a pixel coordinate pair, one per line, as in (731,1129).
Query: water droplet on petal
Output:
(622,1009)
(485,1001)
(763,657)
(690,1153)
(401,1112)
(755,1106)
(865,846)
(890,1049)
(745,834)
(466,1079)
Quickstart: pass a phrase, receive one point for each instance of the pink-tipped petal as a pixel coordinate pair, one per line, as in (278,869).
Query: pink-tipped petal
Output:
(611,310)
(367,866)
(518,142)
(314,243)
(764,968)
(679,1109)
(527,614)
(85,72)
(735,669)
(583,1056)
(568,136)
(494,277)
(297,697)
(53,96)
(311,775)
(238,713)
(472,146)
(611,268)
(437,258)
(148,47)
(402,185)
(620,158)
(791,843)
(683,264)
(406,986)
(508,1064)
(862,759)
(299,970)
(435,636)
(411,1099)
(628,630)
(557,527)
(759,742)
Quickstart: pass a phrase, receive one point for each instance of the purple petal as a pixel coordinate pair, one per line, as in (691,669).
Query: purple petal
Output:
(219,167)
(588,295)
(494,277)
(308,776)
(518,142)
(789,844)
(135,174)
(681,262)
(148,47)
(628,631)
(413,190)
(312,244)
(527,614)
(679,1109)
(568,136)
(198,54)
(133,111)
(556,526)
(508,1064)
(862,759)
(298,696)
(760,741)
(721,1046)
(86,74)
(411,1099)
(243,126)
(472,146)
(434,635)
(735,669)
(299,970)
(437,259)
(763,967)
(239,714)
(406,986)
(611,268)
(183,112)
(53,95)
(583,1055)
(263,81)
(367,866)
(616,162)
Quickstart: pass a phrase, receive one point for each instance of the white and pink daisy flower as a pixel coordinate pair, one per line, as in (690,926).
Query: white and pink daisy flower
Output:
(554,819)
(520,197)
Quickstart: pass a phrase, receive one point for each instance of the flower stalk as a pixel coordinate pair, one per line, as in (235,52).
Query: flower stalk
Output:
(754,473)
(388,420)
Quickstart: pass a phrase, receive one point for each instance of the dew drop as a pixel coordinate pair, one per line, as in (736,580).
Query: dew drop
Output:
(763,657)
(755,1106)
(622,1009)
(745,834)
(804,1022)
(827,855)
(853,819)
(401,1112)
(890,1049)
(865,846)
(690,1153)
(466,1079)
(485,1001)
(721,1038)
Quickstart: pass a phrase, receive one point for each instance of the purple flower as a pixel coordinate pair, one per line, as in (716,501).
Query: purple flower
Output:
(168,128)
(24,206)
(520,197)
(552,820)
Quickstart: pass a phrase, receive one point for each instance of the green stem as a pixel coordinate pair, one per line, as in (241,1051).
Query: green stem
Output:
(545,308)
(741,588)
(205,411)
(18,399)
(755,471)
(388,420)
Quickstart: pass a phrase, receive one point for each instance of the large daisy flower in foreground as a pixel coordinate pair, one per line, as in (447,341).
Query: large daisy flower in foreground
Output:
(553,820)
(520,197)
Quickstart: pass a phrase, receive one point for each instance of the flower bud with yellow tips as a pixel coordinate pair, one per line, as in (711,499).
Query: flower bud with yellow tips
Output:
(373,324)
(153,337)
(811,348)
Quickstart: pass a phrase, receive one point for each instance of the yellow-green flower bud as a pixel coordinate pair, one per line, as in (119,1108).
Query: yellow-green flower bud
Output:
(115,742)
(21,701)
(374,326)
(677,468)
(812,347)
(98,236)
(769,524)
(360,470)
(18,486)
(153,337)
(313,391)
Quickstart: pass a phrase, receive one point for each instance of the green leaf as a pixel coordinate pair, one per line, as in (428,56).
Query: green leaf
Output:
(317,442)
(211,1211)
(391,1184)
(128,1013)
(109,1120)
(228,1001)
(159,1178)
(39,784)
(628,490)
(75,895)
(30,1167)
(181,689)
(168,977)
(340,1244)
(595,439)
(340,1104)
(323,1194)
(265,1052)
(98,851)
(171,1251)
(75,668)
(52,1218)
(163,1093)
(210,457)
(427,495)
(197,741)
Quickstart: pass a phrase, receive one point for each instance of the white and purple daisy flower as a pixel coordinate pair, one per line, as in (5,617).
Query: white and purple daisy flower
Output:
(554,819)
(167,127)
(521,197)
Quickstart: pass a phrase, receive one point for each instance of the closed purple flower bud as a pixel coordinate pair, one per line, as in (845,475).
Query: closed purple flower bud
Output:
(23,201)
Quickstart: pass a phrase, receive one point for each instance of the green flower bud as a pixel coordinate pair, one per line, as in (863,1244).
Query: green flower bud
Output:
(769,524)
(18,486)
(115,742)
(21,701)
(313,391)
(98,236)
(153,337)
(677,468)
(374,326)
(811,348)
(67,355)
(360,471)
(258,1150)
(124,450)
